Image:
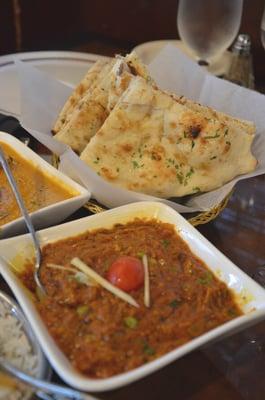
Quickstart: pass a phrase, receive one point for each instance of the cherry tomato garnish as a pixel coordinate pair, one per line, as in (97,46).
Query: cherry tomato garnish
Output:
(127,273)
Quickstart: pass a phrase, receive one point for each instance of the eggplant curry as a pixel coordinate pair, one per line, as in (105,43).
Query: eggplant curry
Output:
(118,298)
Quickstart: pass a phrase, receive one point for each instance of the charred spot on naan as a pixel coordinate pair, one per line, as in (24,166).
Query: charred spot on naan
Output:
(193,123)
(155,156)
(126,147)
(132,68)
(195,131)
(80,91)
(136,67)
(108,173)
(157,152)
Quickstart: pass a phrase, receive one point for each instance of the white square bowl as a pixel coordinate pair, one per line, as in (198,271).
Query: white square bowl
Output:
(249,295)
(53,213)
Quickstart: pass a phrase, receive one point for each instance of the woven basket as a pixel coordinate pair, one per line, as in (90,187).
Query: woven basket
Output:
(201,218)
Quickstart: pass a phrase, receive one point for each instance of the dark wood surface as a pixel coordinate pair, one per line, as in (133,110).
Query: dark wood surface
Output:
(233,368)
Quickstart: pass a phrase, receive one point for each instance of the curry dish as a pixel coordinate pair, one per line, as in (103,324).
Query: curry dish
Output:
(103,335)
(38,190)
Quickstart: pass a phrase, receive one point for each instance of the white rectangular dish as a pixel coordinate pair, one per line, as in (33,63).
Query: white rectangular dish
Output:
(53,213)
(249,294)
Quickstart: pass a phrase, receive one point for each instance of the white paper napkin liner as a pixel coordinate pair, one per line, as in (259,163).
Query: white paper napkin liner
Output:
(39,110)
(42,97)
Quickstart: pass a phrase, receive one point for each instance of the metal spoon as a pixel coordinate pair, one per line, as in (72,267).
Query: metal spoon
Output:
(12,182)
(47,390)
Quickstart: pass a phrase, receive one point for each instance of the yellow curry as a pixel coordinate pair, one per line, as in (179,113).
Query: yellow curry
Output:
(37,189)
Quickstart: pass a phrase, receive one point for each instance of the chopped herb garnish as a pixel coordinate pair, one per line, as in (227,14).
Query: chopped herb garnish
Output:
(206,279)
(130,322)
(180,178)
(148,349)
(212,137)
(185,134)
(196,189)
(175,303)
(226,132)
(232,313)
(213,157)
(191,171)
(165,243)
(140,254)
(82,310)
(192,144)
(118,169)
(171,161)
(80,277)
(228,143)
(97,160)
(135,164)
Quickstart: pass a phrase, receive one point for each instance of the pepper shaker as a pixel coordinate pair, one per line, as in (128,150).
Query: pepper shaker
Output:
(241,68)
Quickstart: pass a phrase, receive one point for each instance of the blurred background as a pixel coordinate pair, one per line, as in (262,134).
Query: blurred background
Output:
(106,27)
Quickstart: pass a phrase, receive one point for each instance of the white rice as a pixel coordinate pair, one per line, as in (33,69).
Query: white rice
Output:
(15,348)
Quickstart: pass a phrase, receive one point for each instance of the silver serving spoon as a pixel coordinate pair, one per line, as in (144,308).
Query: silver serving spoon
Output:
(46,390)
(40,288)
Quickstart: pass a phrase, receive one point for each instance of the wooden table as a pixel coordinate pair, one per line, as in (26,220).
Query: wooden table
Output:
(234,368)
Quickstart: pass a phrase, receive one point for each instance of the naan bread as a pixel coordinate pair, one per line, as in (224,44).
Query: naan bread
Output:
(94,107)
(94,74)
(155,143)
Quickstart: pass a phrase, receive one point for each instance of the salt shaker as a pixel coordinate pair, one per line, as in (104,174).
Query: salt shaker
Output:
(241,68)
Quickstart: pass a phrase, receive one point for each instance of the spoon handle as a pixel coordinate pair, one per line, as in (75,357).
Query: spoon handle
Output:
(19,200)
(49,390)
(25,214)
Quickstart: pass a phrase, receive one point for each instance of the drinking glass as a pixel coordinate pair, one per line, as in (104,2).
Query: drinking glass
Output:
(208,27)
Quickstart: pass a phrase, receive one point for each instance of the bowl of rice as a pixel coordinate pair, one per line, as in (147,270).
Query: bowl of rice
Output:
(19,346)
